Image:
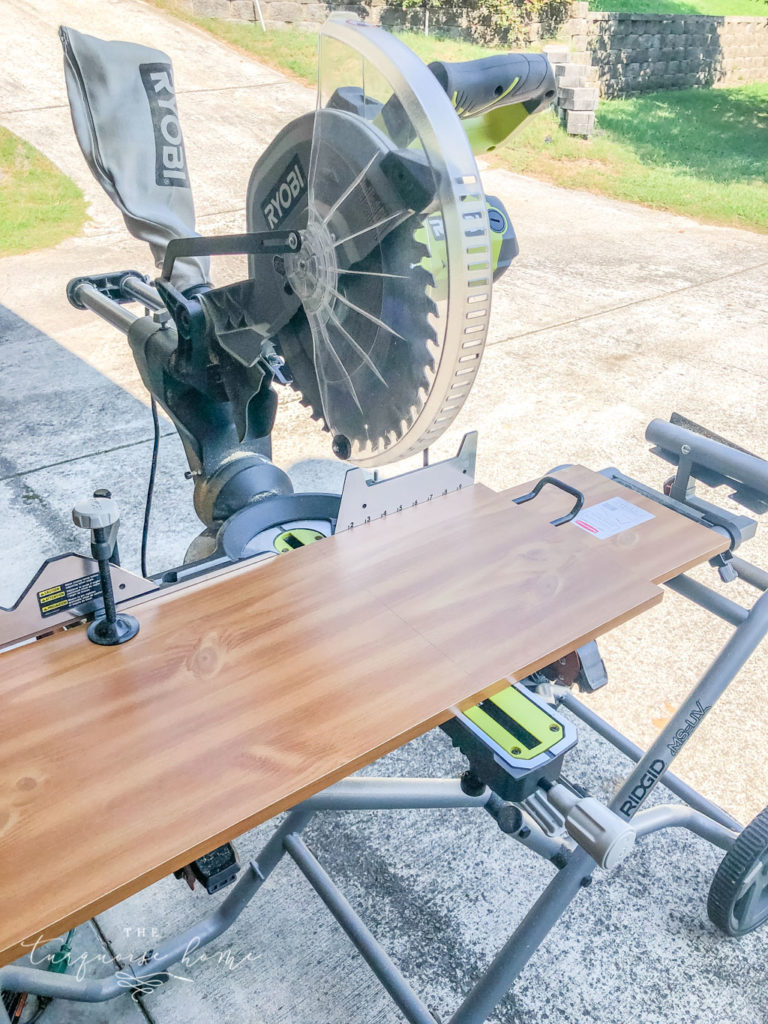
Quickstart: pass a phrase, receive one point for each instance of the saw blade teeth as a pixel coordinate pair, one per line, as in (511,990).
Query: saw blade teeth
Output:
(383,306)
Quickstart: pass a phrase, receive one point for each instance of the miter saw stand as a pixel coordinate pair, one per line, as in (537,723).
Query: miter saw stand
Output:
(198,360)
(515,745)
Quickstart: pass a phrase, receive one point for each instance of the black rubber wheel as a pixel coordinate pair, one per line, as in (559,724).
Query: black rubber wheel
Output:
(738,896)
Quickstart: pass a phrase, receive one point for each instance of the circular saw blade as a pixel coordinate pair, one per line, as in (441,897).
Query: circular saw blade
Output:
(365,299)
(363,357)
(393,279)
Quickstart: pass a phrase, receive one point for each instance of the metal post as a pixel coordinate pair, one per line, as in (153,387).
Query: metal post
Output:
(633,752)
(708,598)
(105,307)
(678,730)
(750,573)
(380,963)
(169,952)
(134,288)
(675,816)
(360,793)
(525,940)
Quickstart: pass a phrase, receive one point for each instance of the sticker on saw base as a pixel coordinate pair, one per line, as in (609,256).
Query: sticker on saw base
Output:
(170,158)
(292,539)
(69,595)
(285,195)
(517,724)
(611,517)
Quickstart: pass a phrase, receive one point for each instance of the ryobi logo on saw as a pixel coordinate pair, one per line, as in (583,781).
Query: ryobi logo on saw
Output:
(284,196)
(170,159)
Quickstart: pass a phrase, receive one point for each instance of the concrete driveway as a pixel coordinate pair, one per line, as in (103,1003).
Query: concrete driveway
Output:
(612,315)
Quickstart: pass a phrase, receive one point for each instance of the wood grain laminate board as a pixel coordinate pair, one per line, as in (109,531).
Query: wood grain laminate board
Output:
(508,592)
(664,547)
(243,695)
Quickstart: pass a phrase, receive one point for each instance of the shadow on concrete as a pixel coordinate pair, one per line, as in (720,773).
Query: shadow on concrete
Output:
(54,406)
(66,429)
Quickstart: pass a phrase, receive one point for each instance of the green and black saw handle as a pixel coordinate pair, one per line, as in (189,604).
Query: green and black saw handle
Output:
(476,87)
(492,96)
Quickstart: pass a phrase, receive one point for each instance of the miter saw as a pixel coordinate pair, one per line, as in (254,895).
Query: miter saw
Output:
(371,248)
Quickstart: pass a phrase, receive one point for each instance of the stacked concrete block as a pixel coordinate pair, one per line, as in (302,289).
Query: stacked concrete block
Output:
(577,91)
(636,53)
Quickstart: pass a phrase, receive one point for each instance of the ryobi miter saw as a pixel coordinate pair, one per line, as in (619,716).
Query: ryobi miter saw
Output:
(372,250)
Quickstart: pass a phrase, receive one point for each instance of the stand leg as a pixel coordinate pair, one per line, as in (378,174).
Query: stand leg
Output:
(97,990)
(635,753)
(528,936)
(525,940)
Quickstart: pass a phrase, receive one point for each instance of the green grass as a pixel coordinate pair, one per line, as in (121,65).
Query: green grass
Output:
(39,206)
(294,52)
(748,8)
(699,152)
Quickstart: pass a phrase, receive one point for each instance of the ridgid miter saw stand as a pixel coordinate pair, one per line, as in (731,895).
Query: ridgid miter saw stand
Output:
(307,634)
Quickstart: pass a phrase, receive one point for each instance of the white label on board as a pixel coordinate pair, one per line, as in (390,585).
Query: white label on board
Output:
(610,517)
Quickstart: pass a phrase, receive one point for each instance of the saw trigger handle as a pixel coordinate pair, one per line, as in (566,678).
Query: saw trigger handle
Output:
(478,86)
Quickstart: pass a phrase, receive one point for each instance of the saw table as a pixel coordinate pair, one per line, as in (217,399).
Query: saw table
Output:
(313,665)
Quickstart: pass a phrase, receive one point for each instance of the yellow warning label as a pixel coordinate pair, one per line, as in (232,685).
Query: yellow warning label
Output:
(79,593)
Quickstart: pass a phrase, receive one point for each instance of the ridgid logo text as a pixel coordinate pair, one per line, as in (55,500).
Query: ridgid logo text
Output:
(170,159)
(643,788)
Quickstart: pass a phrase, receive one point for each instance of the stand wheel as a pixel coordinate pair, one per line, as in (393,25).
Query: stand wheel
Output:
(738,896)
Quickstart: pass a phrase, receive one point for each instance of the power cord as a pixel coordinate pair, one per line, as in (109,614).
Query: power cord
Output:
(150,487)
(15,1002)
(42,1006)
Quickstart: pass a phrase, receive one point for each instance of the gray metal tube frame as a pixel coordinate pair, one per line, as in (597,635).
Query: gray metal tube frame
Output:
(705,597)
(714,455)
(379,962)
(351,794)
(546,911)
(363,793)
(139,291)
(104,307)
(758,578)
(676,816)
(633,752)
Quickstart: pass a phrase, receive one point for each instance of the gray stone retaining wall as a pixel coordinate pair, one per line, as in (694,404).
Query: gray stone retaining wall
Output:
(638,52)
(633,53)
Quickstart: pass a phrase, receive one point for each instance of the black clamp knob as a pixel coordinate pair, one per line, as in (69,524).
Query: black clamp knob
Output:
(99,515)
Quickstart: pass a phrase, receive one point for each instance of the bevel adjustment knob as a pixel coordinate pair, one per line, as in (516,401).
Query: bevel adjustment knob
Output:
(95,513)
